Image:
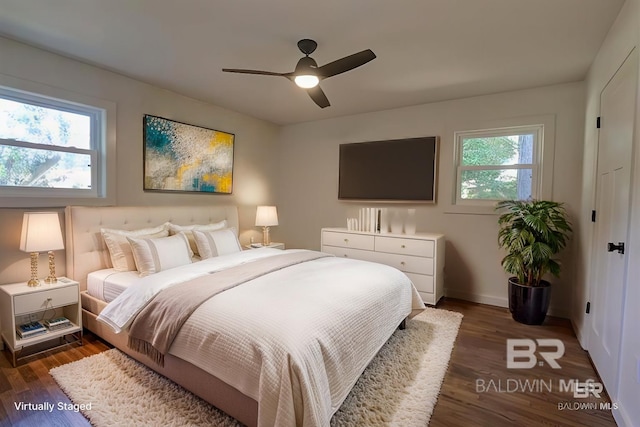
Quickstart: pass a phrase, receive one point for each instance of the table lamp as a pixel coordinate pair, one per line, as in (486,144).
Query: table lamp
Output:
(41,232)
(266,216)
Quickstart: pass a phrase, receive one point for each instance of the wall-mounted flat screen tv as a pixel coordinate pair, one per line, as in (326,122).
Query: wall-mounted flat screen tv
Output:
(401,170)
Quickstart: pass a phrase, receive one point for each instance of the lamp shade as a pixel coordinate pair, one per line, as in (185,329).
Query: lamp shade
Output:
(41,232)
(266,216)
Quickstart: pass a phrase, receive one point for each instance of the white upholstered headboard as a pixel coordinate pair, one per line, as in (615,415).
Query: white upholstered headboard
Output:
(85,248)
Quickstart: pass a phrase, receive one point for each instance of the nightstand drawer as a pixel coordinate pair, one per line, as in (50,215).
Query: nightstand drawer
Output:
(38,301)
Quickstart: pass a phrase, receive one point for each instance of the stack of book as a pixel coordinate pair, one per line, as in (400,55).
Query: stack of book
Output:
(57,323)
(31,329)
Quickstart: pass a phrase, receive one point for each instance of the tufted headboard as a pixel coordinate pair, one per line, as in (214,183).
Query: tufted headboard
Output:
(85,248)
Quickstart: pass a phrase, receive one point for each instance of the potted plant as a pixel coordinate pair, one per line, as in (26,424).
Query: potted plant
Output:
(532,232)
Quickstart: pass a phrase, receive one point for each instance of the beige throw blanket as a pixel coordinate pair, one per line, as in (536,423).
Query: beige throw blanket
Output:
(156,326)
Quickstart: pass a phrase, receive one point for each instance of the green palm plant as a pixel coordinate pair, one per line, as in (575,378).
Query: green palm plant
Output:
(532,232)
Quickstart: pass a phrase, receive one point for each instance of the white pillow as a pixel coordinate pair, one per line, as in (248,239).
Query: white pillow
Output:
(187,230)
(154,255)
(120,249)
(216,243)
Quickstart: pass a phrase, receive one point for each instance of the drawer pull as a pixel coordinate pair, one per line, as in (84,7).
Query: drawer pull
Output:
(401,262)
(403,246)
(346,240)
(346,256)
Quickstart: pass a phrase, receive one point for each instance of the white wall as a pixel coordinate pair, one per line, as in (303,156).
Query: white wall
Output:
(255,157)
(307,182)
(622,38)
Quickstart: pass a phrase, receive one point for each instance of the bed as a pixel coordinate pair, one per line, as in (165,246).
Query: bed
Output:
(282,348)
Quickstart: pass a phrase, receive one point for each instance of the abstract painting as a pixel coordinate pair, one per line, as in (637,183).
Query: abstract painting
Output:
(182,157)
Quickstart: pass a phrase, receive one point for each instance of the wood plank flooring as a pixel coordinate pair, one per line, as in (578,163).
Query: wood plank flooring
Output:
(479,353)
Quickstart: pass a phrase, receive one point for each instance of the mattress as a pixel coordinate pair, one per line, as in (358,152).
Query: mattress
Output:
(107,284)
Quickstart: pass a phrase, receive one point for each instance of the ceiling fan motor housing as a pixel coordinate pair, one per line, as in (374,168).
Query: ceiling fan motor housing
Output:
(306,65)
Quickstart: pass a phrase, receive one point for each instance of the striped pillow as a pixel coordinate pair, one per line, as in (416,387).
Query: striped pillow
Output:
(119,247)
(187,229)
(154,255)
(216,243)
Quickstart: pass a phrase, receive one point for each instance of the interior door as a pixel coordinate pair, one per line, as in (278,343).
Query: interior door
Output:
(617,112)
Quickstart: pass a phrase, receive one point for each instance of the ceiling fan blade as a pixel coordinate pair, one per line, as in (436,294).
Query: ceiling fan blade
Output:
(347,63)
(318,97)
(263,73)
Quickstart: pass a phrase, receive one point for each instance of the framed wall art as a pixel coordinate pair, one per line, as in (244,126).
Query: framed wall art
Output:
(186,158)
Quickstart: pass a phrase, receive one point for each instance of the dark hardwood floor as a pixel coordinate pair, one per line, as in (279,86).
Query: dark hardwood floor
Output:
(479,354)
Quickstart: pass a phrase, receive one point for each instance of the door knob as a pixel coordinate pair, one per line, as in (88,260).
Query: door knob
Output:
(613,247)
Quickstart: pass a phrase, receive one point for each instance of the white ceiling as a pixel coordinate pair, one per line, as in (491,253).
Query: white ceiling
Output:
(428,50)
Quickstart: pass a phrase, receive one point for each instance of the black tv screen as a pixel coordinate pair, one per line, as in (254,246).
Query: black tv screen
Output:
(393,170)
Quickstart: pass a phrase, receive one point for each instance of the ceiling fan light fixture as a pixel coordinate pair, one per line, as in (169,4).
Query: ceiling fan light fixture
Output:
(307,81)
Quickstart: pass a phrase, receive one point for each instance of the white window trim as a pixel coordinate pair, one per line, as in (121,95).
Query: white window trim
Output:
(17,191)
(105,154)
(542,177)
(537,130)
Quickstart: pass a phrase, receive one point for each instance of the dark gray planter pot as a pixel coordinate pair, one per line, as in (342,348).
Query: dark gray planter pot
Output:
(529,304)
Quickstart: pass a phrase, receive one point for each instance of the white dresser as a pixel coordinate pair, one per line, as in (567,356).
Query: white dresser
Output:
(420,256)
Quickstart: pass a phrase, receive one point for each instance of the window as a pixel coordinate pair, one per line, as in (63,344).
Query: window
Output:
(49,147)
(498,164)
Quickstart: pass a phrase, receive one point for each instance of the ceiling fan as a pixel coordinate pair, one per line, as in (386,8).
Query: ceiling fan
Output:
(307,74)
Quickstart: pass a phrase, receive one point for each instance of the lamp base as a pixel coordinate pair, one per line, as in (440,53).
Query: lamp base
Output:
(51,278)
(34,270)
(265,236)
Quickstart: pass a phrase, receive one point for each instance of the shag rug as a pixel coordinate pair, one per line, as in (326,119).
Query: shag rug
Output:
(399,388)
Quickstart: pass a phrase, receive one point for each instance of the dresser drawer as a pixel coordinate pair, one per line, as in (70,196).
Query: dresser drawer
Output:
(422,282)
(396,245)
(350,253)
(347,240)
(406,263)
(38,301)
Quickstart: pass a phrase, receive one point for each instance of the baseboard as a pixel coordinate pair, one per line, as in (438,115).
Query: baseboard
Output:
(482,299)
(500,302)
(581,337)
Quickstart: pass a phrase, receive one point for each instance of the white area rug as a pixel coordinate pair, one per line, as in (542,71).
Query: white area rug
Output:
(399,388)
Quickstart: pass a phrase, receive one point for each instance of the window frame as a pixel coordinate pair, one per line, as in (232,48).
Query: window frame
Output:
(101,114)
(538,130)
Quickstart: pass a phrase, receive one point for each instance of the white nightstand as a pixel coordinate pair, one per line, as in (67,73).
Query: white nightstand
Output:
(20,304)
(274,245)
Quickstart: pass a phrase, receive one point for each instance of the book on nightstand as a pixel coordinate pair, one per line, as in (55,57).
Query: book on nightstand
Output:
(57,323)
(30,329)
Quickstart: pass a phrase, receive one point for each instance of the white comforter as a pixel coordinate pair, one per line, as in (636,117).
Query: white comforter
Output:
(295,340)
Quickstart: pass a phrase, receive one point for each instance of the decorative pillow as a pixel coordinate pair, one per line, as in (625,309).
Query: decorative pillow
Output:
(163,253)
(187,230)
(216,243)
(120,249)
